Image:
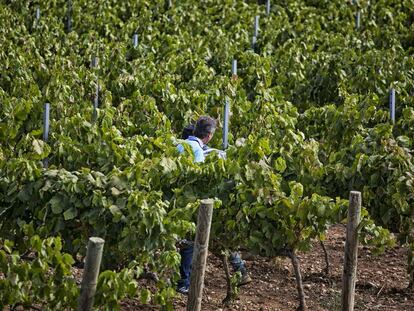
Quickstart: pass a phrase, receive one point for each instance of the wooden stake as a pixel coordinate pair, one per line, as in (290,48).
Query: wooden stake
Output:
(351,252)
(90,274)
(205,215)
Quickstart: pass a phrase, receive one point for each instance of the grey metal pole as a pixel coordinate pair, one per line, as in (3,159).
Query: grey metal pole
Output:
(96,103)
(90,273)
(234,68)
(135,40)
(226,118)
(392,105)
(69,16)
(268,7)
(46,124)
(358,20)
(254,40)
(37,14)
(95,62)
(256,26)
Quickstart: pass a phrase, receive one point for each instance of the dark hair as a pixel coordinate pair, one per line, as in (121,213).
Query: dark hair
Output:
(187,131)
(204,127)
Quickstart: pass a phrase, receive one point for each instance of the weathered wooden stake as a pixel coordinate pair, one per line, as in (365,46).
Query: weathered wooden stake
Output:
(226,118)
(200,253)
(234,69)
(351,252)
(268,7)
(392,105)
(46,122)
(90,274)
(135,40)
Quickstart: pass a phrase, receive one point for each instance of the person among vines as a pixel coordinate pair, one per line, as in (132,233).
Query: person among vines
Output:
(197,137)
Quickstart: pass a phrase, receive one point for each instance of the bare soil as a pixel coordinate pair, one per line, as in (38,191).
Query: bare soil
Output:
(381,285)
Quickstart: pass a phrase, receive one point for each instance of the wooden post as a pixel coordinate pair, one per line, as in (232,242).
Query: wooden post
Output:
(200,253)
(392,105)
(90,274)
(351,252)
(135,40)
(46,124)
(226,118)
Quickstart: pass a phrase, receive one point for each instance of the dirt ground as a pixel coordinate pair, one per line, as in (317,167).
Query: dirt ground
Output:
(381,284)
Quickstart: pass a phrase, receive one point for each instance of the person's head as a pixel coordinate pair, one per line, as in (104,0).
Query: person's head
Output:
(187,131)
(204,128)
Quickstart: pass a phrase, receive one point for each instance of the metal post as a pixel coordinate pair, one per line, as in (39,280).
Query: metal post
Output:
(69,16)
(268,7)
(135,40)
(351,252)
(95,62)
(234,69)
(205,215)
(358,20)
(96,103)
(37,14)
(226,118)
(46,122)
(256,26)
(90,273)
(392,105)
(254,40)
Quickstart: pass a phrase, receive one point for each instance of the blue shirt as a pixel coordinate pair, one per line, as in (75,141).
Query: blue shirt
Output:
(196,145)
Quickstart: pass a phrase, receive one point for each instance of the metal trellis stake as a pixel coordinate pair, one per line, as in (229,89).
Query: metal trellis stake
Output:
(268,7)
(254,40)
(37,14)
(135,40)
(234,69)
(256,26)
(95,62)
(96,103)
(69,17)
(358,20)
(392,105)
(226,118)
(46,122)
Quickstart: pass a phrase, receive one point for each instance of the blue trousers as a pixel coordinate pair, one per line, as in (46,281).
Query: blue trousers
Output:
(187,257)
